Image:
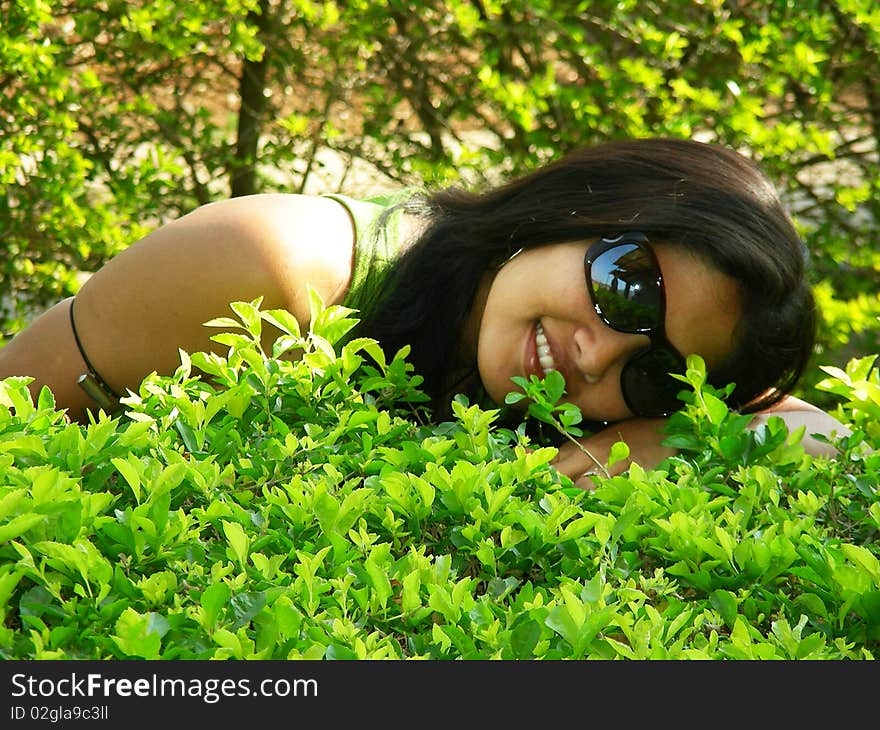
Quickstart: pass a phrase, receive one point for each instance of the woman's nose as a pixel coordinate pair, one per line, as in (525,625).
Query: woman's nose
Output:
(600,349)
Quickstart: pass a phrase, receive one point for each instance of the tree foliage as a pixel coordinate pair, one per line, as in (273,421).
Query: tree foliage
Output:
(119,115)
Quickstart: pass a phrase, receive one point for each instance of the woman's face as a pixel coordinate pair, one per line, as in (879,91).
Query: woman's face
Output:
(547,285)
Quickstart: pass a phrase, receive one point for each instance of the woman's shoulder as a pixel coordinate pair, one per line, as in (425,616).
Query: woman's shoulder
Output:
(300,239)
(272,246)
(308,223)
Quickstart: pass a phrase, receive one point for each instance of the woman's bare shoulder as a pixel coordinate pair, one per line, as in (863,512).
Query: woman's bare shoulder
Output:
(273,245)
(299,240)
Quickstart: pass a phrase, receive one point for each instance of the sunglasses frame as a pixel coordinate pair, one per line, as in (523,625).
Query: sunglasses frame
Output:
(658,340)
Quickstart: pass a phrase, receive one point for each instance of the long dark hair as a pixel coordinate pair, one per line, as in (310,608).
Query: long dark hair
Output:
(706,198)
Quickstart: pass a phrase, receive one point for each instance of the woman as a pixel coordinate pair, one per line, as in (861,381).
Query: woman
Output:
(610,265)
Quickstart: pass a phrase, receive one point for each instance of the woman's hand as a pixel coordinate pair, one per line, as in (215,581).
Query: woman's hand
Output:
(642,435)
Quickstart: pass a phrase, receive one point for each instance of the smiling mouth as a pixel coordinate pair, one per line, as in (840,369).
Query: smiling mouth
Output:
(545,355)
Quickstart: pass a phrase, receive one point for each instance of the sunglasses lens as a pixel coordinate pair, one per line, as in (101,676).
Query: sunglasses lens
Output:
(647,387)
(625,283)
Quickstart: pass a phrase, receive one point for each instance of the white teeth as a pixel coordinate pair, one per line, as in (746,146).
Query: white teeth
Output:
(544,354)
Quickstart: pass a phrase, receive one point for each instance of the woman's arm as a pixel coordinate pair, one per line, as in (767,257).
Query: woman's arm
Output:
(797,413)
(644,436)
(154,297)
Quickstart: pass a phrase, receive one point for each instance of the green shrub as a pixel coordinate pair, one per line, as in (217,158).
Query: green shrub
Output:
(272,507)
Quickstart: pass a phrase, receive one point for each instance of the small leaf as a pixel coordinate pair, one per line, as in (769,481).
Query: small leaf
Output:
(524,638)
(716,409)
(19,525)
(283,320)
(214,599)
(131,471)
(725,603)
(238,541)
(619,452)
(224,322)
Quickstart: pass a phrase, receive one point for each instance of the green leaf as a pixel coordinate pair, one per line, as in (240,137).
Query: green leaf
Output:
(10,502)
(14,394)
(140,635)
(238,541)
(379,581)
(224,323)
(864,559)
(249,314)
(726,604)
(283,320)
(24,446)
(245,606)
(214,600)
(131,469)
(716,409)
(555,385)
(619,452)
(9,579)
(18,526)
(524,638)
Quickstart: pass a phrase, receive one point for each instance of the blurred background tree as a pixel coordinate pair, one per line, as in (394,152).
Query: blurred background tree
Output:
(118,115)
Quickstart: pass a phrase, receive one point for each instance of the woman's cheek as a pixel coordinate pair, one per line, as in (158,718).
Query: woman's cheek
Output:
(498,360)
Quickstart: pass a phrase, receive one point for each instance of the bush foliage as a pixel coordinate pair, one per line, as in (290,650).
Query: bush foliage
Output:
(303,507)
(119,115)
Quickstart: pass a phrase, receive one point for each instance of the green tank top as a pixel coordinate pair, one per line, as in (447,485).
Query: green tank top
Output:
(378,246)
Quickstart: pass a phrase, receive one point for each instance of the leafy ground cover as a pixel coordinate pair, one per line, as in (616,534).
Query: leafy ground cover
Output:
(262,506)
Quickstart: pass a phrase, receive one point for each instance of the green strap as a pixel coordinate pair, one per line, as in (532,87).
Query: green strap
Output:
(377,246)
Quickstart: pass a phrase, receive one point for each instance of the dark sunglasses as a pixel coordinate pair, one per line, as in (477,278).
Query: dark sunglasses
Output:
(626,287)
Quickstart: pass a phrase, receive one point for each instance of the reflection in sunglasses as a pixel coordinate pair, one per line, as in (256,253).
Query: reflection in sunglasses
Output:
(626,288)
